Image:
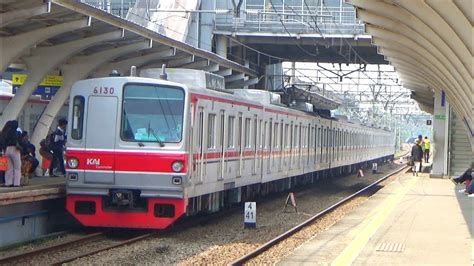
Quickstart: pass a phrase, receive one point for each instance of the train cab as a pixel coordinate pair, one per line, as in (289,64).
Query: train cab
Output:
(126,159)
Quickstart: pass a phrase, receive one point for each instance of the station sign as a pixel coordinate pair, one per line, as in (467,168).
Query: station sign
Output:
(47,87)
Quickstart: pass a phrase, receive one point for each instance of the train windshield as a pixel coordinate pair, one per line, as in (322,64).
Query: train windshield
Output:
(152,113)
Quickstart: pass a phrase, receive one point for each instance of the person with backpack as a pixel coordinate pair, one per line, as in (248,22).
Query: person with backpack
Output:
(28,154)
(57,143)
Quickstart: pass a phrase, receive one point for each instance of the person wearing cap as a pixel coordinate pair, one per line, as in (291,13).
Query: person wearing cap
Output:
(58,142)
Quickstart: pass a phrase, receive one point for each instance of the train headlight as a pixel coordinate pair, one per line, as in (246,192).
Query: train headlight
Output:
(72,163)
(177,166)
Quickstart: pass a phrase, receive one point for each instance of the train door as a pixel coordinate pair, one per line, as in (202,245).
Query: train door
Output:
(101,136)
(290,164)
(200,146)
(300,144)
(280,158)
(309,144)
(239,144)
(220,174)
(269,145)
(255,141)
(192,159)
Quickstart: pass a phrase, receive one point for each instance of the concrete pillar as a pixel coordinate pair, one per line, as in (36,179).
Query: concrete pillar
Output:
(221,45)
(206,25)
(15,46)
(440,135)
(42,62)
(75,70)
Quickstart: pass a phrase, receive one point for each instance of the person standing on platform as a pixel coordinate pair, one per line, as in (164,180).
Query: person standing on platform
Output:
(58,143)
(10,136)
(416,157)
(426,149)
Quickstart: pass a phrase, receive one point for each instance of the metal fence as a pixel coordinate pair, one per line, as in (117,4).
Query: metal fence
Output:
(292,20)
(118,8)
(284,19)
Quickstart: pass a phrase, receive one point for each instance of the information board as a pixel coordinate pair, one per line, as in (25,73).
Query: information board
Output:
(47,87)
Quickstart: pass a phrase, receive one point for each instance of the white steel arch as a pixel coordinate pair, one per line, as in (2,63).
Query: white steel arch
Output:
(430,44)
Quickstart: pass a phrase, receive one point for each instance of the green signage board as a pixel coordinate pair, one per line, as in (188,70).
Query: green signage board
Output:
(440,117)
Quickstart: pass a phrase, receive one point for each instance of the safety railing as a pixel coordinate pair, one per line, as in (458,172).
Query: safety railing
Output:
(292,20)
(118,8)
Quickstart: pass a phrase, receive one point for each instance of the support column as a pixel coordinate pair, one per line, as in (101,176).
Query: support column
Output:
(42,62)
(221,46)
(78,69)
(440,135)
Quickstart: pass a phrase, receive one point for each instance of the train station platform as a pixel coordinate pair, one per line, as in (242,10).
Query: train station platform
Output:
(31,211)
(38,188)
(411,221)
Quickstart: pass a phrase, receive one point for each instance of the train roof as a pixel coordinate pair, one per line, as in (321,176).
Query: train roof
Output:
(202,82)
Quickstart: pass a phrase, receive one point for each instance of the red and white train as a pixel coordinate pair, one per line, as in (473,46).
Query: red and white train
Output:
(142,152)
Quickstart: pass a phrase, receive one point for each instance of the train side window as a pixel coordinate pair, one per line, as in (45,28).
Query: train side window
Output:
(211,131)
(275,136)
(265,142)
(255,131)
(281,135)
(295,136)
(77,117)
(247,133)
(230,131)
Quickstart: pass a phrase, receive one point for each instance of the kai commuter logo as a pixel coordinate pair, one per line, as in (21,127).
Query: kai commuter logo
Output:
(93,161)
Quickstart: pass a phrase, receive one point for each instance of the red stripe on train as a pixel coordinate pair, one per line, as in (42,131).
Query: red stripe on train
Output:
(127,161)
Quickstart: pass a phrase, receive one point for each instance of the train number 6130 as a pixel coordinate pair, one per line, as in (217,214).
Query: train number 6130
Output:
(103,90)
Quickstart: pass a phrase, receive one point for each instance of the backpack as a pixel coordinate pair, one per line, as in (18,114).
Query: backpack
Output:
(48,141)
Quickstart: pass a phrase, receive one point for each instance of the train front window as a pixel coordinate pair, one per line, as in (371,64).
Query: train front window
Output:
(152,113)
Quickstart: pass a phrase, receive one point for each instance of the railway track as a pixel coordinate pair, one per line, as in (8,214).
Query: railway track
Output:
(97,242)
(273,242)
(61,253)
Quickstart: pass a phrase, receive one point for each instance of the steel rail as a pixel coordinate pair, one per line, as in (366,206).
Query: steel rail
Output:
(122,243)
(27,254)
(309,221)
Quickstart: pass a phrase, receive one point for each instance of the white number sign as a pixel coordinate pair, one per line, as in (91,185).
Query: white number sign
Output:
(250,214)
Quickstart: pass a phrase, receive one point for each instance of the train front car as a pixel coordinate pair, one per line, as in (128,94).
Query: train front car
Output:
(126,159)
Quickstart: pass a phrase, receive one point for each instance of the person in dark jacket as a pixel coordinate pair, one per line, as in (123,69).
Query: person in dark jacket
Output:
(10,137)
(467,175)
(58,143)
(416,157)
(28,152)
